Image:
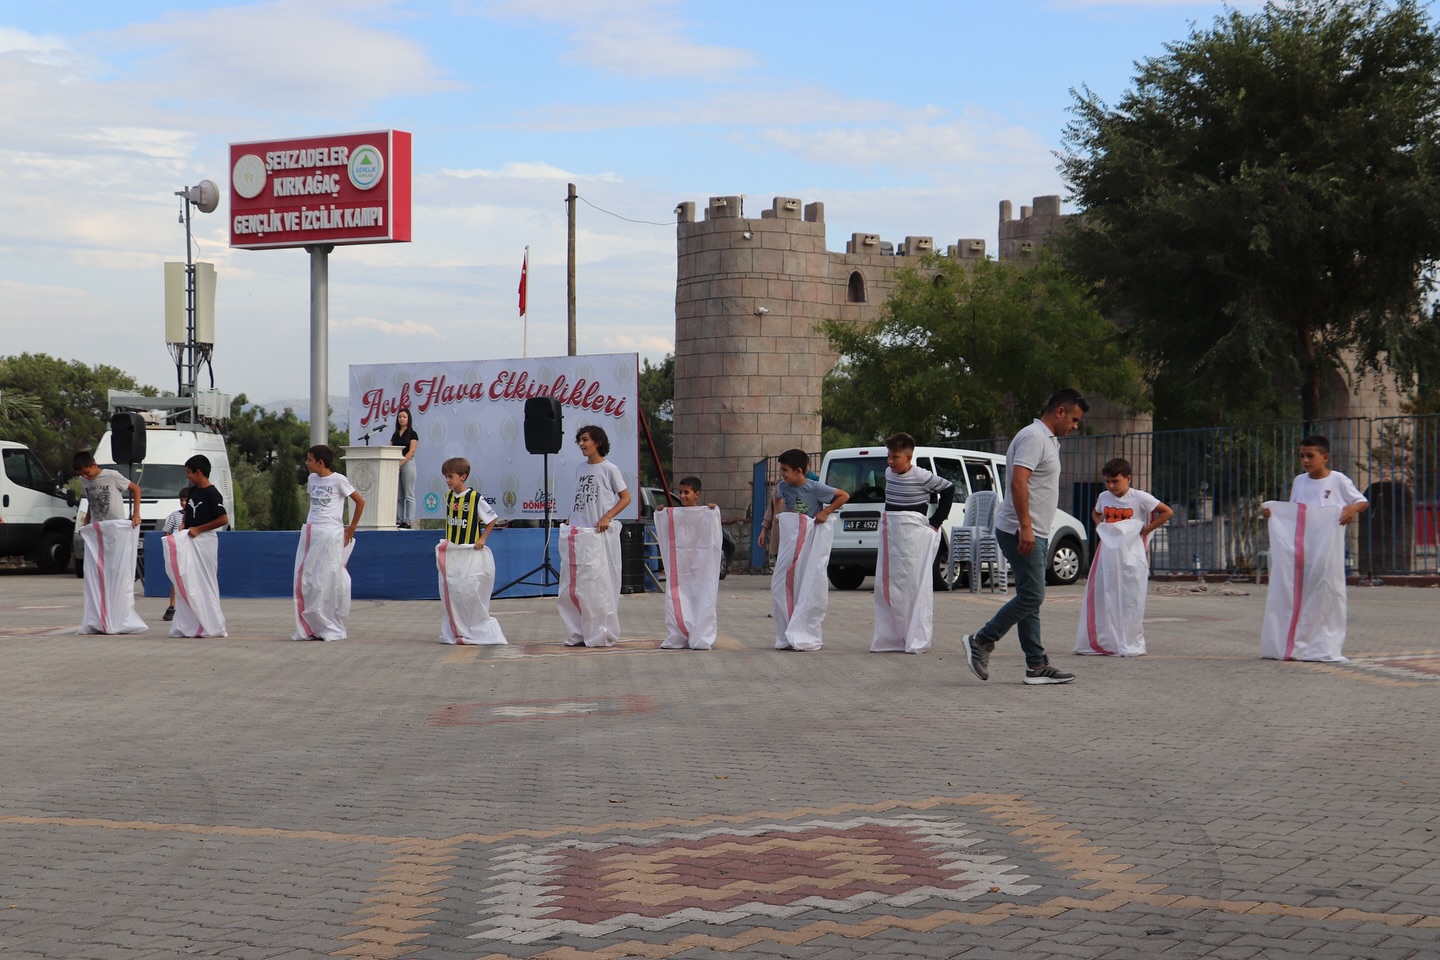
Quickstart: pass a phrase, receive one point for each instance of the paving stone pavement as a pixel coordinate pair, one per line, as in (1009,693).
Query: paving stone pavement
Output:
(388,796)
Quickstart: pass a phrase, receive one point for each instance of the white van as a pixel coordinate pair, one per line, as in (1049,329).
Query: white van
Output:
(38,519)
(860,472)
(161,476)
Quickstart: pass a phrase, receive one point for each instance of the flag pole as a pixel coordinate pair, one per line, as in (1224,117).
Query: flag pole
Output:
(524,306)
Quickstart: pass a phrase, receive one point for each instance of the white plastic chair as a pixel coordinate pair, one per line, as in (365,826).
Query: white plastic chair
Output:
(973,541)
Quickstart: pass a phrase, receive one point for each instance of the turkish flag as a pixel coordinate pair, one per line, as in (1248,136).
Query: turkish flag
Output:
(524,279)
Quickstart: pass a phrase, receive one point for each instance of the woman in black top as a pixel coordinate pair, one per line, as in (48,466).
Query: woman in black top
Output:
(407,439)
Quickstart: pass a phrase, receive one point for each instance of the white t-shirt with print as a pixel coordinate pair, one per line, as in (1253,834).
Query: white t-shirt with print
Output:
(106,494)
(1336,490)
(327,498)
(1136,505)
(597,490)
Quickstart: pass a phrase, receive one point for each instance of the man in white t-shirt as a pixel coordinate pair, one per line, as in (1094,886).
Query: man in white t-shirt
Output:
(1022,528)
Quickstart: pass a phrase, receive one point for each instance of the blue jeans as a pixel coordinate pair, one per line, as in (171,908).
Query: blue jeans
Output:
(1023,610)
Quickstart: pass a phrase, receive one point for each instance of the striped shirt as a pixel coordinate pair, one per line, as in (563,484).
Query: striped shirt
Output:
(175,520)
(466,516)
(911,491)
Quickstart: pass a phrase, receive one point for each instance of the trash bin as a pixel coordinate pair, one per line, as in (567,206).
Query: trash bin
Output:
(632,558)
(1387,530)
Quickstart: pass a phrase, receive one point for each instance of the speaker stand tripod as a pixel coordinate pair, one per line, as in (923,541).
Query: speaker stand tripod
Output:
(546,569)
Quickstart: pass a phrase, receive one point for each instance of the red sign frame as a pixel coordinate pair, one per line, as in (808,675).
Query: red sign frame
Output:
(339,189)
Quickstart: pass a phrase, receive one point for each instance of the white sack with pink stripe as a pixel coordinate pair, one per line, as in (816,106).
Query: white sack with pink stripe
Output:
(1305,608)
(110,548)
(692,551)
(799,590)
(1112,610)
(321,583)
(467,578)
(904,578)
(589,598)
(193,565)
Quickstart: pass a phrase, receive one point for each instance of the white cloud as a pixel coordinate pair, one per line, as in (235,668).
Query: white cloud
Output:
(147,141)
(759,106)
(633,38)
(48,50)
(304,57)
(627,343)
(402,328)
(975,139)
(534,170)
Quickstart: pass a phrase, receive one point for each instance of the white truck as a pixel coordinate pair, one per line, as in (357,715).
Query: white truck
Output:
(38,516)
(162,473)
(860,472)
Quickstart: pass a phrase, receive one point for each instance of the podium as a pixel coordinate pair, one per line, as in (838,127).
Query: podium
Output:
(375,473)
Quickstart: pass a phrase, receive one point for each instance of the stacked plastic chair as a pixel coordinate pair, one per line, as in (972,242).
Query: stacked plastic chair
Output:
(962,542)
(973,541)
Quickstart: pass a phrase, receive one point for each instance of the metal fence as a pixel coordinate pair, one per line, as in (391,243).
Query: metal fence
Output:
(1216,480)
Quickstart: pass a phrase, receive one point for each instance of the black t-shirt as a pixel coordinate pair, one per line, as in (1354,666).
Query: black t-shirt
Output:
(402,440)
(204,504)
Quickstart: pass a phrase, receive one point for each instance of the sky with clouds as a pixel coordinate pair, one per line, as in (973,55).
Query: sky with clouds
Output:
(915,119)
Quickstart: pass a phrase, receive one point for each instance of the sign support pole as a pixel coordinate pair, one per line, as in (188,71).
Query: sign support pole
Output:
(319,343)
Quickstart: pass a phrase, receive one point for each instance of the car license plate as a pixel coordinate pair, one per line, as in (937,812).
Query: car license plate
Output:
(862,525)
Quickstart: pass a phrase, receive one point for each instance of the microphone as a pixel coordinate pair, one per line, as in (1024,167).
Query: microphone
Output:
(378,428)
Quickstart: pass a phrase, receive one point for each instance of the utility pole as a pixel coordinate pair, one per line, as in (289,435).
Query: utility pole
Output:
(570,265)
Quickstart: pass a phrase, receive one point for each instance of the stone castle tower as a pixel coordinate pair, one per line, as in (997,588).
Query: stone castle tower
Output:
(749,361)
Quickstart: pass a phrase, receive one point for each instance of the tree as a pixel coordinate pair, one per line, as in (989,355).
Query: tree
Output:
(1264,204)
(69,403)
(267,456)
(657,399)
(971,350)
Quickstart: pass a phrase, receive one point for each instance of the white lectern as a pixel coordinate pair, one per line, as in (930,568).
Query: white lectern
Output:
(375,473)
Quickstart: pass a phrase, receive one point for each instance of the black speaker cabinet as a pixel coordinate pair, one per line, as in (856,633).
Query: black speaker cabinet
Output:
(127,437)
(543,431)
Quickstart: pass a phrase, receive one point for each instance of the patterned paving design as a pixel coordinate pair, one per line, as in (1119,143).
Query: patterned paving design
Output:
(1420,666)
(726,883)
(726,876)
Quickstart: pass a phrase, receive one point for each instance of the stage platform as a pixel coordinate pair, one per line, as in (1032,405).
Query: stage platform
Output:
(386,564)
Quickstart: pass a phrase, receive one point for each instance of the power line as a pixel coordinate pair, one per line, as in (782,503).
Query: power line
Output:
(653,223)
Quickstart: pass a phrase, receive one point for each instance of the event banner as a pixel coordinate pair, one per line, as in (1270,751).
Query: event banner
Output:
(476,409)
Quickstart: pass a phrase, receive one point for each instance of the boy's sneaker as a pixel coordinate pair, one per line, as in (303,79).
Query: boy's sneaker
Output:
(169,614)
(1047,674)
(977,657)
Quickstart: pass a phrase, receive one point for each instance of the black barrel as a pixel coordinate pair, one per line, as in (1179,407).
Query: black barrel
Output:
(632,558)
(1387,530)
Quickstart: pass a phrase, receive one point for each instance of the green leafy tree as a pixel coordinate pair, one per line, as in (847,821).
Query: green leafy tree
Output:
(971,350)
(1264,204)
(657,399)
(16,406)
(67,403)
(285,487)
(267,455)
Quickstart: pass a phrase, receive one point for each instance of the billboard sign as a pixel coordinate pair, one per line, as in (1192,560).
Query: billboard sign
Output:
(476,409)
(345,188)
